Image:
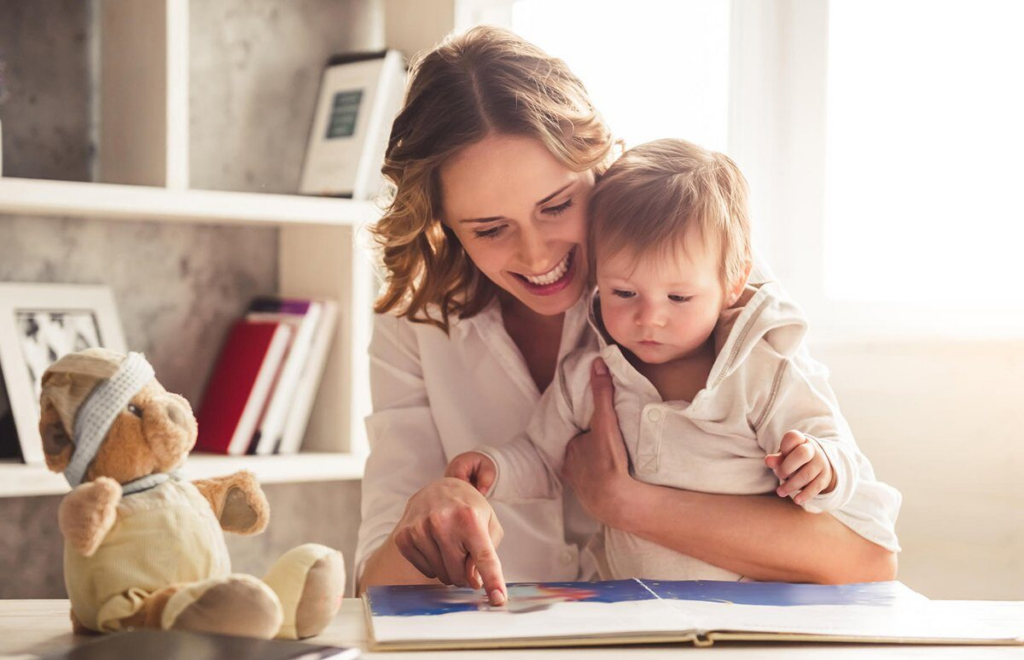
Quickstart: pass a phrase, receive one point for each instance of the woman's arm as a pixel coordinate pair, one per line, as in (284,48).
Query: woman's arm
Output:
(760,537)
(415,525)
(449,532)
(386,565)
(406,452)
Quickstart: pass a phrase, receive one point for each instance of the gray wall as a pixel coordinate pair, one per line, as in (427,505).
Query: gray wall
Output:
(255,72)
(255,68)
(46,83)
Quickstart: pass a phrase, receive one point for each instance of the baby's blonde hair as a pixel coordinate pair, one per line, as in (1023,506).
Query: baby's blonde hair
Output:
(485,81)
(650,196)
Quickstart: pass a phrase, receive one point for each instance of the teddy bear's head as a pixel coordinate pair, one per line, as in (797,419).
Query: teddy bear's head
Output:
(140,428)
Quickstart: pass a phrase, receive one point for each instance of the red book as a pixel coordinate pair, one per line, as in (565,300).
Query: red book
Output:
(240,385)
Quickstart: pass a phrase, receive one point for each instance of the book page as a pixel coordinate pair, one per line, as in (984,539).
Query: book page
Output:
(887,610)
(929,620)
(533,611)
(651,610)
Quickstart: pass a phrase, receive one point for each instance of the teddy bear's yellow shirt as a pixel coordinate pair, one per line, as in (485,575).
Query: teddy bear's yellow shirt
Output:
(163,536)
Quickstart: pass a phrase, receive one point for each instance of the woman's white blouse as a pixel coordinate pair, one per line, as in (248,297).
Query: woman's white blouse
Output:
(436,396)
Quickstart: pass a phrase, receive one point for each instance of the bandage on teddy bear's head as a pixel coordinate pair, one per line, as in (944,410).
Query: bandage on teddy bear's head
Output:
(152,434)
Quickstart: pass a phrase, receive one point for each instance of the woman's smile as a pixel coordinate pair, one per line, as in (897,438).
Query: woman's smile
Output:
(552,281)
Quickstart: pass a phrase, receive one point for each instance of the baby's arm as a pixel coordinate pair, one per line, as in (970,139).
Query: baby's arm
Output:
(808,443)
(474,467)
(528,466)
(802,468)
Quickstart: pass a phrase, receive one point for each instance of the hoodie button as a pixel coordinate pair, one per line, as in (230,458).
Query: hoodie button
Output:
(654,414)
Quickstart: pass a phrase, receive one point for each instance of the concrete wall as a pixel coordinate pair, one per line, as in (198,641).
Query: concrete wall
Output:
(255,72)
(46,83)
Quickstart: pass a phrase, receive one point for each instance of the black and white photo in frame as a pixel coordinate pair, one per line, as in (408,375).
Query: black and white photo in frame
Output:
(39,323)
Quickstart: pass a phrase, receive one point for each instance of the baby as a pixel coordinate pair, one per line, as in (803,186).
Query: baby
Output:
(714,390)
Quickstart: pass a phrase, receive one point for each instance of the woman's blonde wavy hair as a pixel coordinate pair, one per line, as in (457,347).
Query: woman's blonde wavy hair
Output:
(484,81)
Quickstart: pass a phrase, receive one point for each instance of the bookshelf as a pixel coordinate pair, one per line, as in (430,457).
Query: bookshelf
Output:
(18,480)
(148,203)
(142,175)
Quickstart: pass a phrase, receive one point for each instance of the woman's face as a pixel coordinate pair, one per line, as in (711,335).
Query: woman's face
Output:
(520,215)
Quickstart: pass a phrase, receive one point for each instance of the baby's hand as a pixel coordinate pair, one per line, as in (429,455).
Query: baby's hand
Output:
(474,467)
(802,467)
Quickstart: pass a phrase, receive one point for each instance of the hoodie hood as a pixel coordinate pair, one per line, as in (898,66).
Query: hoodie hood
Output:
(761,313)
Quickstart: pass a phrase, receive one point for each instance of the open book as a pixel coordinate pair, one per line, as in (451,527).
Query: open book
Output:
(700,612)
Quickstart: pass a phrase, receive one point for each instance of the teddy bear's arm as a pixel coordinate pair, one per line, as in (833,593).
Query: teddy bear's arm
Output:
(237,501)
(88,512)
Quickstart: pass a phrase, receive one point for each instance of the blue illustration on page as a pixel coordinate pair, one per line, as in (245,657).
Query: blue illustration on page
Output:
(420,600)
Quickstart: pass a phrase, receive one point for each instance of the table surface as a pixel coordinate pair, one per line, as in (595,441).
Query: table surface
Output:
(37,627)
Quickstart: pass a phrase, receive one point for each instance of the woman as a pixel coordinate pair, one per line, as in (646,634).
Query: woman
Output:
(492,160)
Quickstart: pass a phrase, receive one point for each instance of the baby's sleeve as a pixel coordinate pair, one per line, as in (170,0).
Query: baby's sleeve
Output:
(805,402)
(530,465)
(800,402)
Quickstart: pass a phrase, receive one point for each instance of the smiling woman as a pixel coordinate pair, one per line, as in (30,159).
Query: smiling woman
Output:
(530,248)
(487,91)
(493,159)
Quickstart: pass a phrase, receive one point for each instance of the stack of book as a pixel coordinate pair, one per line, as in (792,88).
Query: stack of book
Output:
(261,391)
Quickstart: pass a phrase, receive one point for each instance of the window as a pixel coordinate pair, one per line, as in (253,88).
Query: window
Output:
(924,152)
(883,139)
(654,69)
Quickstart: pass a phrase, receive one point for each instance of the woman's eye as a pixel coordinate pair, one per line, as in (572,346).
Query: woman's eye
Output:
(620,293)
(135,410)
(489,233)
(560,209)
(680,299)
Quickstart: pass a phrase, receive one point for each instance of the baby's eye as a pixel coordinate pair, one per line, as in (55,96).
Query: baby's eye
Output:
(135,410)
(621,293)
(680,299)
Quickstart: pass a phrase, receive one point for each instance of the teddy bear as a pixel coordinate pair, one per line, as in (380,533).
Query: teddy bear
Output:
(144,548)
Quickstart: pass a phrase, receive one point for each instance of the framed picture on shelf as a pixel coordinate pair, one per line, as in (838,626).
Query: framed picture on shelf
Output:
(40,323)
(360,95)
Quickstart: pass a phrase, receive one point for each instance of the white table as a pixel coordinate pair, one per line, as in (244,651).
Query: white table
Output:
(37,627)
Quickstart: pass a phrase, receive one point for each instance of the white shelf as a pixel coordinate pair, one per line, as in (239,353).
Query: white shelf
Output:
(103,200)
(20,480)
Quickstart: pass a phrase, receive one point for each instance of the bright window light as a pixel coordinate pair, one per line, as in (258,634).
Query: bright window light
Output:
(925,152)
(654,69)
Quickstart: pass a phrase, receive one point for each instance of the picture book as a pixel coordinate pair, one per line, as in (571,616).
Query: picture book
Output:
(696,612)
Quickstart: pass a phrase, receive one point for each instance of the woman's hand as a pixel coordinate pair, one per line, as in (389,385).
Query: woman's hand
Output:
(762,537)
(596,463)
(449,531)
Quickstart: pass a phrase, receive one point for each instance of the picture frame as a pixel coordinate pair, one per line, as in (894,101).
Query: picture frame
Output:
(39,323)
(360,95)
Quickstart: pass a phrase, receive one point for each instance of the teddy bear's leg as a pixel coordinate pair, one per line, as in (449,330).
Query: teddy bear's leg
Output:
(310,581)
(234,605)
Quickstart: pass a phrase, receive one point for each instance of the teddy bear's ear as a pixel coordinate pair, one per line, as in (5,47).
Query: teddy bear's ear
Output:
(57,444)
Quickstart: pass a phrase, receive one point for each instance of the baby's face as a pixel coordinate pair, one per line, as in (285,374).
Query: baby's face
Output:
(661,308)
